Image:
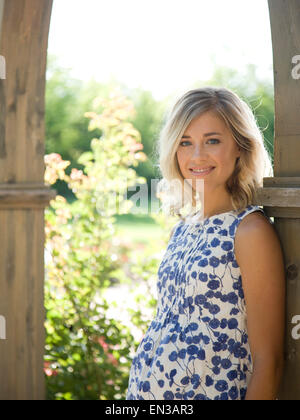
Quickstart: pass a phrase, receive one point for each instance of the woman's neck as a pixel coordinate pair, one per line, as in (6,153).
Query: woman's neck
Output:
(218,205)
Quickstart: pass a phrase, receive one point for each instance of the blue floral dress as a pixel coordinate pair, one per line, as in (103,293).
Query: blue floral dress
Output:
(197,348)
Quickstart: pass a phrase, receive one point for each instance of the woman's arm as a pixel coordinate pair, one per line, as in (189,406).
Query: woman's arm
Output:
(259,255)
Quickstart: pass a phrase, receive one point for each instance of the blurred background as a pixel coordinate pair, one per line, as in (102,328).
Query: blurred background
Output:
(101,268)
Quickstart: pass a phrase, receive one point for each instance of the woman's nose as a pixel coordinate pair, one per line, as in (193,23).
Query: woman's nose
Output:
(199,151)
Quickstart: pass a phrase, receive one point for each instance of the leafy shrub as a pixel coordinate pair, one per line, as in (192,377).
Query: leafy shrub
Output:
(88,354)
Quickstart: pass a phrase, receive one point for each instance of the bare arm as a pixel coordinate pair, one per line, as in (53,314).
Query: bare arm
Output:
(259,255)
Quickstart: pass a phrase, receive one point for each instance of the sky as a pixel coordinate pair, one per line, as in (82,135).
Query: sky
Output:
(160,45)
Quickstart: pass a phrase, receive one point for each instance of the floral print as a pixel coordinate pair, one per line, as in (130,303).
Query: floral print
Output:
(197,347)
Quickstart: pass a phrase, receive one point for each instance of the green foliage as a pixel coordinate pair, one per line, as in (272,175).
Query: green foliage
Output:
(67,129)
(148,121)
(88,353)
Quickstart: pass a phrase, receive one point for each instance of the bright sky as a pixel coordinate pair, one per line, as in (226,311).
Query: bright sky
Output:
(160,45)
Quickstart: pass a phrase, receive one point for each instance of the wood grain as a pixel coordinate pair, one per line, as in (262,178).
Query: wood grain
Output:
(23,197)
(282,193)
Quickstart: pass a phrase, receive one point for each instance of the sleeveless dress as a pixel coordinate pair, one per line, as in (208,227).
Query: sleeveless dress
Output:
(197,348)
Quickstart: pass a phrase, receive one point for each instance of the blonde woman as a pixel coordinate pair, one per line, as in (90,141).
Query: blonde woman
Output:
(219,329)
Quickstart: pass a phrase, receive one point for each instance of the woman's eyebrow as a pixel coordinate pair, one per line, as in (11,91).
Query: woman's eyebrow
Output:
(205,135)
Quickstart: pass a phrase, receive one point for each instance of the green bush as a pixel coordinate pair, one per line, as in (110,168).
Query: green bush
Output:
(88,354)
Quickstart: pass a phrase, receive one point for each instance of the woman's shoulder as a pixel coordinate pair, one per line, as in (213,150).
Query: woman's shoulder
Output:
(255,229)
(254,217)
(249,216)
(259,253)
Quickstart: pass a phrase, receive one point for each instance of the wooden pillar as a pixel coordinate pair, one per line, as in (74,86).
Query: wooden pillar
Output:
(281,194)
(23,197)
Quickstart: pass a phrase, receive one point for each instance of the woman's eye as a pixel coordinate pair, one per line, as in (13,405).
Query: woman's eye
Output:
(183,143)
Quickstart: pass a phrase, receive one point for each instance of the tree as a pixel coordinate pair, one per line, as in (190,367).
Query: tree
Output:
(67,128)
(148,121)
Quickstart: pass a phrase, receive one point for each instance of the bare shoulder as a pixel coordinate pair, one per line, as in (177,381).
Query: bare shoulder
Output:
(254,223)
(256,234)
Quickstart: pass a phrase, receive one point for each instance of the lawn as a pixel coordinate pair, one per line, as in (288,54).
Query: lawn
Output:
(139,228)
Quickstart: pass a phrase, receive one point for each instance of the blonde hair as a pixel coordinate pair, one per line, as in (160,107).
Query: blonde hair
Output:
(253,165)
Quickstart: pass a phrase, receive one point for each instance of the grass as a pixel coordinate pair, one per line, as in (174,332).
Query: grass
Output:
(139,228)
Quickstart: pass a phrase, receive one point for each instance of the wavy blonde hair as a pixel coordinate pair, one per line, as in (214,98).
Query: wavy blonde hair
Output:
(253,165)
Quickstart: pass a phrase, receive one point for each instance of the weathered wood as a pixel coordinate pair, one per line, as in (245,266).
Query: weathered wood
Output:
(285,18)
(1,15)
(21,303)
(280,197)
(23,196)
(282,212)
(285,28)
(282,182)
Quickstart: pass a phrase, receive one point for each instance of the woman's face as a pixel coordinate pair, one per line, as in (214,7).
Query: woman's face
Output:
(208,143)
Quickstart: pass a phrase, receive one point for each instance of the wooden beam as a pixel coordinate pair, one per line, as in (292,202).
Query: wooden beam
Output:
(282,194)
(280,197)
(285,18)
(23,197)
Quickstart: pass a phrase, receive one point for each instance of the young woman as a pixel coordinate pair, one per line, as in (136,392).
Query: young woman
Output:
(219,329)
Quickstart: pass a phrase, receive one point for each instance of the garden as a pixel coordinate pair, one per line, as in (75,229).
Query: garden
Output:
(100,282)
(103,246)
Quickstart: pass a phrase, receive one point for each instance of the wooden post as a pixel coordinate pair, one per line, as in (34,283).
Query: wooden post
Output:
(23,197)
(281,194)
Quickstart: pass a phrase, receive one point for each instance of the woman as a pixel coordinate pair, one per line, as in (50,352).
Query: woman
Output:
(219,328)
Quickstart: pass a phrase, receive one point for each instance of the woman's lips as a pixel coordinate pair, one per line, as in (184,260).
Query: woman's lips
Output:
(200,174)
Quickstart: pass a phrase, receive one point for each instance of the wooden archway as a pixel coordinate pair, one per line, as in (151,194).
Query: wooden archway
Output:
(23,43)
(24,27)
(281,195)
